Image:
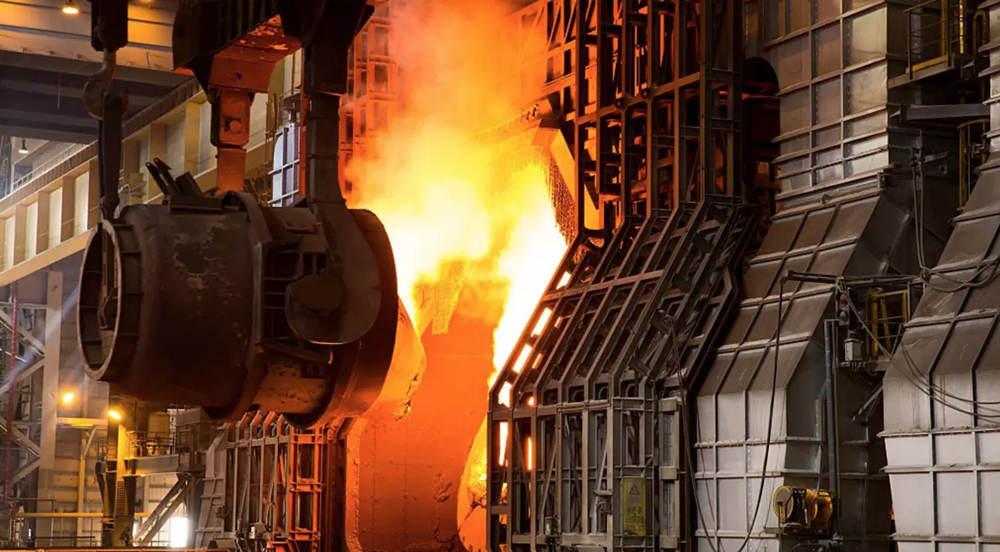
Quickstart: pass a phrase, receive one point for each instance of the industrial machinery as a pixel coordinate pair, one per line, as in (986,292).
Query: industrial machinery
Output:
(745,175)
(218,302)
(801,509)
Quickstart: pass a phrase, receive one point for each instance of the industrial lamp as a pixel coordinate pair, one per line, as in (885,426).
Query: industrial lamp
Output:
(67,397)
(23,150)
(69,8)
(115,415)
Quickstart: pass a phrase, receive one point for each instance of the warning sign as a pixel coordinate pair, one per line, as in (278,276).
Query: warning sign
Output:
(634,506)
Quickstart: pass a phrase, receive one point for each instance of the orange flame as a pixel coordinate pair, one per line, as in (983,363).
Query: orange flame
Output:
(462,204)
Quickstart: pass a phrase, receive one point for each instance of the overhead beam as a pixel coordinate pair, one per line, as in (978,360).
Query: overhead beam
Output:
(35,119)
(50,106)
(78,136)
(73,66)
(39,27)
(52,83)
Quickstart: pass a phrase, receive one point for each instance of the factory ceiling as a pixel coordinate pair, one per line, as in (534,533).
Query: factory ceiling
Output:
(46,57)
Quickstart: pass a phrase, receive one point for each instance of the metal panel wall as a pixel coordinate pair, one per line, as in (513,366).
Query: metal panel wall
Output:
(831,60)
(853,236)
(845,210)
(942,391)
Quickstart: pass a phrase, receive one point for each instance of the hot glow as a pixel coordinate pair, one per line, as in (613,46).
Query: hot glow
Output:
(115,415)
(521,359)
(543,319)
(67,398)
(462,201)
(529,454)
(503,397)
(466,201)
(504,438)
(178,532)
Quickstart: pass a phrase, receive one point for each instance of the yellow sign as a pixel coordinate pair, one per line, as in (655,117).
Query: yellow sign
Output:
(634,506)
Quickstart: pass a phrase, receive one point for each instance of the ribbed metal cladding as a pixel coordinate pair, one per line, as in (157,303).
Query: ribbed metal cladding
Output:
(859,235)
(830,57)
(942,391)
(845,209)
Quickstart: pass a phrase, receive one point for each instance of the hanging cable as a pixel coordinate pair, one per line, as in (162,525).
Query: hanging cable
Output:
(984,271)
(913,375)
(770,415)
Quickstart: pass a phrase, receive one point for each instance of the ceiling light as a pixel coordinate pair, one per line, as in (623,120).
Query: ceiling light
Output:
(67,397)
(69,8)
(23,150)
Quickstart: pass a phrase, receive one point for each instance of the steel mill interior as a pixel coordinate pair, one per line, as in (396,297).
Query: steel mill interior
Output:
(500,275)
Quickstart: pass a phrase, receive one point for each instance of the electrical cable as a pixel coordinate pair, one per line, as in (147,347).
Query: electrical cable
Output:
(684,421)
(931,390)
(915,375)
(691,480)
(770,416)
(979,277)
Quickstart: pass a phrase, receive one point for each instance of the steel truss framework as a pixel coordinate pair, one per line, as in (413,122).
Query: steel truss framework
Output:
(273,492)
(586,432)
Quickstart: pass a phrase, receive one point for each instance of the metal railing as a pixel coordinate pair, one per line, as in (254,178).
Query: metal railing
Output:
(888,313)
(40,169)
(936,31)
(151,443)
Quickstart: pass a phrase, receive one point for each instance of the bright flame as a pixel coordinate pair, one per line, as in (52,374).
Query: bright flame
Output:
(463,203)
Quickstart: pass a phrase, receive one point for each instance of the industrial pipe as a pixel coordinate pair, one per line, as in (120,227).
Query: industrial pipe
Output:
(830,337)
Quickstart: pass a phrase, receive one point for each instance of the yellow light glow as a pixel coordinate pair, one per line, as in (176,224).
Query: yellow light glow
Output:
(67,397)
(115,415)
(69,8)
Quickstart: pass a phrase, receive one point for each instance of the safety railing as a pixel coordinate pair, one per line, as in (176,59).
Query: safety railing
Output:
(151,443)
(937,30)
(41,168)
(888,313)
